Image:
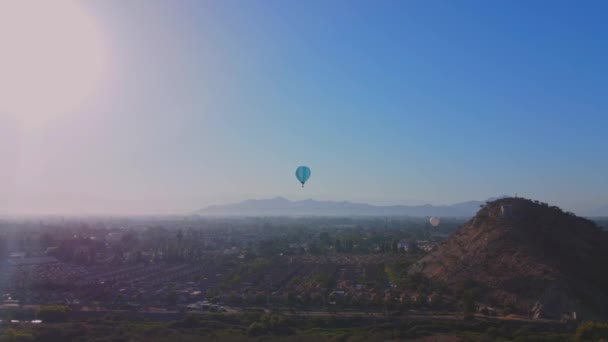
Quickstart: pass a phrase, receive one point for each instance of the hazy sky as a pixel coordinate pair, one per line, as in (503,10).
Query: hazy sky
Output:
(207,102)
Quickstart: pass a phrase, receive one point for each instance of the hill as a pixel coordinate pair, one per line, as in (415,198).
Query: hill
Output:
(280,206)
(529,256)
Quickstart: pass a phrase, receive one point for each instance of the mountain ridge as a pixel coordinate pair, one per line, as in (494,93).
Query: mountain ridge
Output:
(280,206)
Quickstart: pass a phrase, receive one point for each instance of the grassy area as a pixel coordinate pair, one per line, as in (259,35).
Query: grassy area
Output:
(276,327)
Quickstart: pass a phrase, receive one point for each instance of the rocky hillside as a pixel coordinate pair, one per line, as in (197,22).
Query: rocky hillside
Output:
(524,254)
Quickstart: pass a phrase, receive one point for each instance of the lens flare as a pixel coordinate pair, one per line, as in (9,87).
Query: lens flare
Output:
(52,58)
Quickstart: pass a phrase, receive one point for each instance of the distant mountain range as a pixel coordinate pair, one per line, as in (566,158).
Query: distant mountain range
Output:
(280,206)
(597,212)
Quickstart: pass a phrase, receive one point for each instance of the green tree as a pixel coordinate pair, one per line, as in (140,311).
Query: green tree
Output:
(12,335)
(46,240)
(172,298)
(3,248)
(53,313)
(468,304)
(324,238)
(394,246)
(591,331)
(256,328)
(413,247)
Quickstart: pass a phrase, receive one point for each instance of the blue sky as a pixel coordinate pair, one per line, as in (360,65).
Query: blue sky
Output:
(386,101)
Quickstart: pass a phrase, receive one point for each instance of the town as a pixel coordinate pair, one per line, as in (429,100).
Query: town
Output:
(181,264)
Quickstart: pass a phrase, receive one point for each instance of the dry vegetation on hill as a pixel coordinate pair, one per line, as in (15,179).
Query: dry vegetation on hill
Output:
(537,259)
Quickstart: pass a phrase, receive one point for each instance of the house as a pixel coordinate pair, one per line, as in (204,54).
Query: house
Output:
(487,311)
(115,236)
(33,261)
(17,255)
(403,244)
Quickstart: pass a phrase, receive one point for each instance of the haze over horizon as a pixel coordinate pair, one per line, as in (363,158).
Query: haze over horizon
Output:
(170,107)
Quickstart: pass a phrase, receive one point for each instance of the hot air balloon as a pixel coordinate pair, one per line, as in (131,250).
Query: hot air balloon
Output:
(302,174)
(435,221)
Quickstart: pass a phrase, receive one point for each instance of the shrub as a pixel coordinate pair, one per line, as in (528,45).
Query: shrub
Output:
(256,328)
(53,313)
(591,331)
(12,335)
